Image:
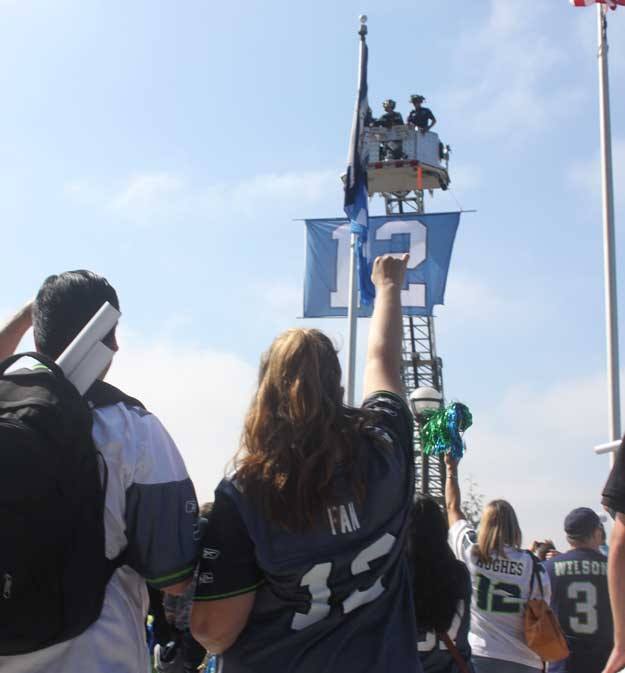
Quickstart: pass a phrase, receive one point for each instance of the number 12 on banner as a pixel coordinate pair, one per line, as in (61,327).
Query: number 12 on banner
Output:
(381,236)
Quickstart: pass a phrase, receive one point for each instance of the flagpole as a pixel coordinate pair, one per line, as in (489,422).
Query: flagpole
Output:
(352,307)
(611,311)
(352,319)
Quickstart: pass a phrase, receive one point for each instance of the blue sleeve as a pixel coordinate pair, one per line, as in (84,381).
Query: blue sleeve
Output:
(394,417)
(161,509)
(228,565)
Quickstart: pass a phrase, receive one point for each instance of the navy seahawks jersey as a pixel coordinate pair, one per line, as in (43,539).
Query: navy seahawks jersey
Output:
(433,653)
(579,597)
(337,598)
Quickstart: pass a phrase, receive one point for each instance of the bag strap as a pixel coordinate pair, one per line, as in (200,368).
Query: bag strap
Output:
(43,359)
(455,653)
(535,574)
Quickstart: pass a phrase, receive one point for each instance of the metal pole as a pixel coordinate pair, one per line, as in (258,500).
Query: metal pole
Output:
(352,308)
(352,319)
(611,312)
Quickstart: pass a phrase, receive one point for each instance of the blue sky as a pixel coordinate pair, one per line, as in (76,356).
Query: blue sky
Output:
(170,146)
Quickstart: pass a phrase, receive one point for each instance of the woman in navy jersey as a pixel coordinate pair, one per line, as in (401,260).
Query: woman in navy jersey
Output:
(442,593)
(303,567)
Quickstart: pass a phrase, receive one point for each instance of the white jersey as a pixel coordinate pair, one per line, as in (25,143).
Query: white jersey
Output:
(150,511)
(501,589)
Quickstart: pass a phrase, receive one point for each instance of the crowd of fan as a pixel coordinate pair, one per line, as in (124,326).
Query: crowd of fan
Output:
(314,555)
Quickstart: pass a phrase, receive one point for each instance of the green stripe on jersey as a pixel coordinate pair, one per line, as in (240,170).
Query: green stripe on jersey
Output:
(231,594)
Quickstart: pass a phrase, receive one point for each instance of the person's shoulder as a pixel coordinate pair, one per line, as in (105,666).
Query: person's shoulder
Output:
(229,486)
(462,539)
(103,394)
(391,419)
(230,494)
(386,401)
(463,527)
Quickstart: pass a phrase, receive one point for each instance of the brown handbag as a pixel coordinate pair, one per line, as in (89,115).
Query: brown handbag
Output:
(543,634)
(455,653)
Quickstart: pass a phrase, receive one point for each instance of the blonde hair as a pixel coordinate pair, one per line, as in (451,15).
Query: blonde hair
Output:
(499,527)
(298,431)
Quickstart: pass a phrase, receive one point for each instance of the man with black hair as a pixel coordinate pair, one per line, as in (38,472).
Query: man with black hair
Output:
(579,595)
(150,504)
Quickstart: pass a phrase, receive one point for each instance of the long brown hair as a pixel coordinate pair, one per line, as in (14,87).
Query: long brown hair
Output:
(298,431)
(499,527)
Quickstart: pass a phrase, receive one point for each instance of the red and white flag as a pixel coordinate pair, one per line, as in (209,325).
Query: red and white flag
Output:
(612,4)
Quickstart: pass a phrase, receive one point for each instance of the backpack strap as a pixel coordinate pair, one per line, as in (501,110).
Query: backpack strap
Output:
(102,394)
(43,359)
(455,653)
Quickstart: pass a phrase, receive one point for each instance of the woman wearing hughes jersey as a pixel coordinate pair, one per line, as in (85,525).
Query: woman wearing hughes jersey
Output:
(501,574)
(303,567)
(442,593)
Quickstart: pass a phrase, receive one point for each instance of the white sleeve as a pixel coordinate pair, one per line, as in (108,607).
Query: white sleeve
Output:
(161,507)
(462,537)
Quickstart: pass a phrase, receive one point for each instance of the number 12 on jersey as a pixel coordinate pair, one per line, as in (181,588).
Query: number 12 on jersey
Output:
(316,579)
(498,596)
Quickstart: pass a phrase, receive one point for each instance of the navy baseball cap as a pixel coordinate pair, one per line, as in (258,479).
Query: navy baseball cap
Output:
(581,522)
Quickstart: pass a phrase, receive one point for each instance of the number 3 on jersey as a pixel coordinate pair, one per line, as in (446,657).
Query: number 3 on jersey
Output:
(585,620)
(316,579)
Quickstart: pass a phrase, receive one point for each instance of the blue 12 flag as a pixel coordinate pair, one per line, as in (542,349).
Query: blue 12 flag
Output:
(428,237)
(356,194)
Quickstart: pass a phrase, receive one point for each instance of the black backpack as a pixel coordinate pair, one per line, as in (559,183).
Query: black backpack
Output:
(53,568)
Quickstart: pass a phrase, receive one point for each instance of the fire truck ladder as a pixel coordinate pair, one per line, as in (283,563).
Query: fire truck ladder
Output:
(421,366)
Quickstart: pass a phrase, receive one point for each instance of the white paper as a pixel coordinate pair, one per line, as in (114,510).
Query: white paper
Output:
(94,331)
(87,357)
(91,366)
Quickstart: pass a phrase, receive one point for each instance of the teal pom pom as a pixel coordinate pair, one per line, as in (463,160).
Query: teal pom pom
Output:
(441,431)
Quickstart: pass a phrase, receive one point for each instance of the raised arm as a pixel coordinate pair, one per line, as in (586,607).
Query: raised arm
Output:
(383,365)
(14,329)
(452,491)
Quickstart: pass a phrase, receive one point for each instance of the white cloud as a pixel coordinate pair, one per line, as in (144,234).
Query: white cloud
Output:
(282,300)
(505,83)
(467,296)
(152,197)
(466,176)
(147,194)
(200,395)
(534,448)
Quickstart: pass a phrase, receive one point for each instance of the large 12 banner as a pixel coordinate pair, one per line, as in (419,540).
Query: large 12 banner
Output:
(429,238)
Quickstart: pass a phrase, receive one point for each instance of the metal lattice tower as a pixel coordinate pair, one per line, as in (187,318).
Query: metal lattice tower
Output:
(421,365)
